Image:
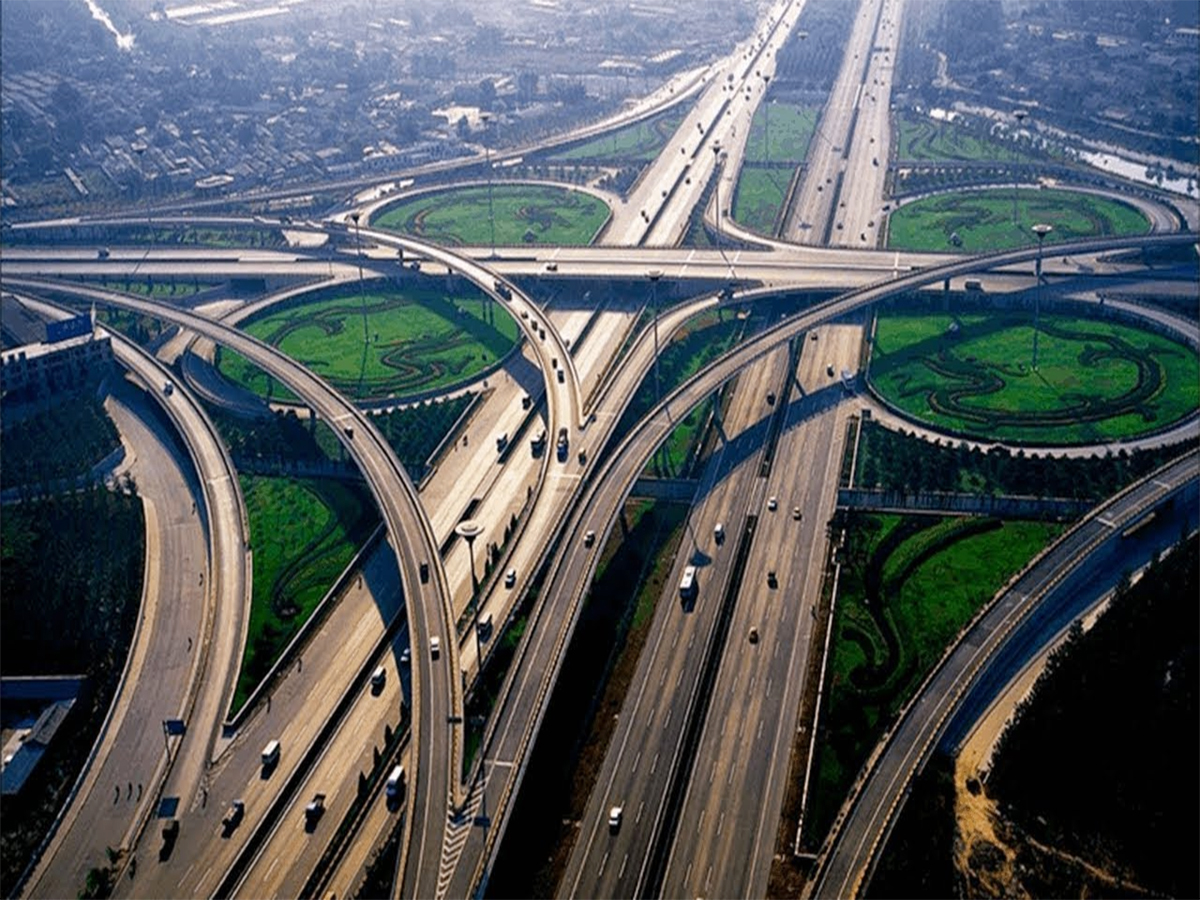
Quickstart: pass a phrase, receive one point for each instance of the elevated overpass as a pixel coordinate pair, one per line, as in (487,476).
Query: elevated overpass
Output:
(437,693)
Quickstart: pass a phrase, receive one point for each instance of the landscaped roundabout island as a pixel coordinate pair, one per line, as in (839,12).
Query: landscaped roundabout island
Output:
(972,374)
(417,339)
(523,214)
(979,221)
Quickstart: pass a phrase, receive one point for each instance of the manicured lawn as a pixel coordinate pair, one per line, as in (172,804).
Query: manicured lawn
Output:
(303,534)
(983,220)
(925,140)
(908,586)
(790,129)
(1095,381)
(524,214)
(760,194)
(640,142)
(419,339)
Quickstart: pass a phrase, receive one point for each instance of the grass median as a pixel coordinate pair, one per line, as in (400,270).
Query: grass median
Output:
(304,533)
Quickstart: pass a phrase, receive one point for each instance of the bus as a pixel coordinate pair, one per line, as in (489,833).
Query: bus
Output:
(687,584)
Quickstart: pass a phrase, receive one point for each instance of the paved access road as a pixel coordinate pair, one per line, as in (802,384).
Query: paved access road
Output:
(637,769)
(740,774)
(187,647)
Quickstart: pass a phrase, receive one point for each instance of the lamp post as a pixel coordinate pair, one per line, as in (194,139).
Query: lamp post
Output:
(362,297)
(485,118)
(1019,115)
(720,158)
(1041,230)
(766,122)
(468,530)
(654,275)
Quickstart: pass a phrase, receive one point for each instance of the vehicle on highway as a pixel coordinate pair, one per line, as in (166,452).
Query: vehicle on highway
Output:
(406,657)
(582,456)
(510,578)
(687,584)
(102,253)
(770,398)
(395,783)
(829,370)
(168,388)
(614,819)
(270,757)
(170,834)
(589,538)
(424,573)
(796,514)
(973,284)
(561,377)
(564,443)
(485,627)
(772,503)
(551,267)
(753,635)
(526,401)
(501,442)
(314,811)
(772,581)
(378,679)
(435,647)
(233,817)
(719,533)
(538,443)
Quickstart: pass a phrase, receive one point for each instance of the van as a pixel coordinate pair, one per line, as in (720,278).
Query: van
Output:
(270,755)
(378,678)
(395,782)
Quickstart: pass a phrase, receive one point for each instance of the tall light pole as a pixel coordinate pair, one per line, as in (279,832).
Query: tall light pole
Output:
(485,118)
(654,275)
(362,297)
(468,530)
(1019,115)
(719,158)
(1041,230)
(766,122)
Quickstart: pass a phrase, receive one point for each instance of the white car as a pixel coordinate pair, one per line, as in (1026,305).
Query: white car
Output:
(510,578)
(435,646)
(614,819)
(773,503)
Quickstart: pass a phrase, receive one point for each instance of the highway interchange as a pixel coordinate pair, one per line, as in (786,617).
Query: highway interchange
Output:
(698,821)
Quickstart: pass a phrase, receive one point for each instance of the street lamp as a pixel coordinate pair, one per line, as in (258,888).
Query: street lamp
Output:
(485,118)
(1019,115)
(719,157)
(362,297)
(468,530)
(766,122)
(1041,230)
(654,275)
